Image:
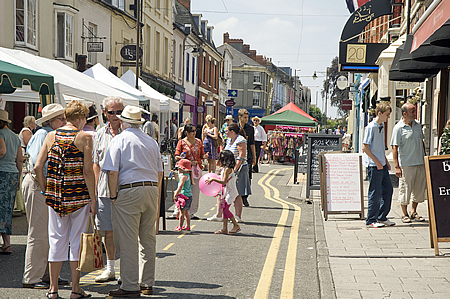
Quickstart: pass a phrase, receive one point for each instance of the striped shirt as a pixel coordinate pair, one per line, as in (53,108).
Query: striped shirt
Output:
(66,190)
(233,148)
(101,146)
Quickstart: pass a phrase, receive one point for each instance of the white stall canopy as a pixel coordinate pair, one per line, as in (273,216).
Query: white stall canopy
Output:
(68,81)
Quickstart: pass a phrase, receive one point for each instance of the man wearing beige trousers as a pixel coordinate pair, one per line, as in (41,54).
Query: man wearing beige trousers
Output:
(134,168)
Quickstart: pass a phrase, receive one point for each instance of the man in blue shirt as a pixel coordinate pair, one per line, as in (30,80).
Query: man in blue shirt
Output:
(380,186)
(408,151)
(35,274)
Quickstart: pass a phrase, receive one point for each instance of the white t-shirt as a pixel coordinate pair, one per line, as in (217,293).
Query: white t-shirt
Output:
(229,192)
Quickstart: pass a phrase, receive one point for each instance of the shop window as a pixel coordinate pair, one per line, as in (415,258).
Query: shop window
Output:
(64,35)
(26,22)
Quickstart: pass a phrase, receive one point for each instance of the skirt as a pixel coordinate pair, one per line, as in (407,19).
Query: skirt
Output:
(8,191)
(208,145)
(243,182)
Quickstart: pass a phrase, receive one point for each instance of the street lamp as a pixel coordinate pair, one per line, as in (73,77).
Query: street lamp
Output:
(194,51)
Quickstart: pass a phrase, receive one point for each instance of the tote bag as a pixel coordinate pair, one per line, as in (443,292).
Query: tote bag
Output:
(91,252)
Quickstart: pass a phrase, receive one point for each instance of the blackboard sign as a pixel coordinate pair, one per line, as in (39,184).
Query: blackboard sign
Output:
(318,143)
(437,169)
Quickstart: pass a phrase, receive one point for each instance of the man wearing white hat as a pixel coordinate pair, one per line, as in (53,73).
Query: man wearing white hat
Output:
(134,168)
(35,274)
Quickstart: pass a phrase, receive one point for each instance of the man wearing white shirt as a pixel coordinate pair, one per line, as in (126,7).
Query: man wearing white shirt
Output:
(260,140)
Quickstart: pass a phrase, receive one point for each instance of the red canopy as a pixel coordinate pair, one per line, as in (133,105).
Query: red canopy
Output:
(291,106)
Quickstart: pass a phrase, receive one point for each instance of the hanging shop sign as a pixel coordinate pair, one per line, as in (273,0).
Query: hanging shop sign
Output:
(355,56)
(230,103)
(346,105)
(128,52)
(95,46)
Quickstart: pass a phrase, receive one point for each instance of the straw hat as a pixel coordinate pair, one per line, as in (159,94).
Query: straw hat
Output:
(92,113)
(256,118)
(229,117)
(131,115)
(4,116)
(49,112)
(184,164)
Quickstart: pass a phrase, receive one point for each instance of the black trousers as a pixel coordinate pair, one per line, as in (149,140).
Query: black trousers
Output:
(258,145)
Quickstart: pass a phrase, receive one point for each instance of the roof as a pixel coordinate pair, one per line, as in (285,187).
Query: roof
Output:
(292,107)
(239,58)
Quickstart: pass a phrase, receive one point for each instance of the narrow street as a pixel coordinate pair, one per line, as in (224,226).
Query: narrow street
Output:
(274,256)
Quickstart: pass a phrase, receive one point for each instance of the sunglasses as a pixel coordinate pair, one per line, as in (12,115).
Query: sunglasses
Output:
(118,112)
(61,118)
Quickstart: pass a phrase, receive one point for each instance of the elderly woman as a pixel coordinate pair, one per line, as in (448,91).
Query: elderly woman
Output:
(10,171)
(191,148)
(237,144)
(210,134)
(69,192)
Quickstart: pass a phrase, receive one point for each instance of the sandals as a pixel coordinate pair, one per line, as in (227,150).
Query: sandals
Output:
(178,229)
(3,250)
(417,218)
(53,293)
(188,228)
(83,294)
(221,232)
(234,232)
(406,219)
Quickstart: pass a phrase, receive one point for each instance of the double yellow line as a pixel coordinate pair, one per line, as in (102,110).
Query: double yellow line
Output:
(265,281)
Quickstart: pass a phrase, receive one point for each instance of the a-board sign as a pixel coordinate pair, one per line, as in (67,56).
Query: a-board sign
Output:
(437,169)
(318,143)
(342,184)
(167,164)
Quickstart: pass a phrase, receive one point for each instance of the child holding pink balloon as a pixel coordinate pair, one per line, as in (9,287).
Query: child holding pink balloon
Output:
(184,193)
(228,192)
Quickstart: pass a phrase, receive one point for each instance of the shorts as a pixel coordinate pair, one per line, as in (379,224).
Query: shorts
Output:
(187,203)
(412,185)
(103,217)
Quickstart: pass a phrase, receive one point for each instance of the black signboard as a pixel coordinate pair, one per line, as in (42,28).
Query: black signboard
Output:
(318,143)
(128,52)
(438,185)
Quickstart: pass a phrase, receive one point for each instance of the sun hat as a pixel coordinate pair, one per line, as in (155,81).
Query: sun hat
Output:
(184,164)
(132,115)
(256,118)
(4,116)
(229,117)
(92,113)
(50,111)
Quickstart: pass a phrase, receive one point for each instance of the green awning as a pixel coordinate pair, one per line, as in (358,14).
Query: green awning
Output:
(14,76)
(288,118)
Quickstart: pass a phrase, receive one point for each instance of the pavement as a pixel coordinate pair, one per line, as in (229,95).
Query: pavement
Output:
(389,262)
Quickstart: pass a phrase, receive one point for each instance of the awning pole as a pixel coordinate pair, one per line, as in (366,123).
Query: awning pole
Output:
(138,23)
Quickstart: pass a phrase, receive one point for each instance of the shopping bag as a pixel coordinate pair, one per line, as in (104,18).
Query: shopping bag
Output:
(91,253)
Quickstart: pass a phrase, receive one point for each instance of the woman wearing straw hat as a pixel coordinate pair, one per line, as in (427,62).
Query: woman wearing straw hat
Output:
(10,171)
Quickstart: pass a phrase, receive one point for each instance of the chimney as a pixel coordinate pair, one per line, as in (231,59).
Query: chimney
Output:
(246,49)
(252,54)
(186,3)
(226,37)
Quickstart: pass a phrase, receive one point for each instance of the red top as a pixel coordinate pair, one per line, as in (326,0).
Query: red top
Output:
(193,153)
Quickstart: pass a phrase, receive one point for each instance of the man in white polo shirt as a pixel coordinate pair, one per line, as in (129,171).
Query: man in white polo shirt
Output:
(408,151)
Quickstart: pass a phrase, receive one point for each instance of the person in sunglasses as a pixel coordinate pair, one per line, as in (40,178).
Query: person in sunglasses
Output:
(374,158)
(112,108)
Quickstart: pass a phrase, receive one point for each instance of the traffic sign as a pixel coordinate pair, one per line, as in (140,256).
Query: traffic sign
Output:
(230,103)
(232,93)
(229,111)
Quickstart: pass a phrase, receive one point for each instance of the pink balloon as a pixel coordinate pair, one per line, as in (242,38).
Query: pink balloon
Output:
(209,189)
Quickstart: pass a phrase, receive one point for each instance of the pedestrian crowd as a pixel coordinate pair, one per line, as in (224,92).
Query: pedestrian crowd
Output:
(72,169)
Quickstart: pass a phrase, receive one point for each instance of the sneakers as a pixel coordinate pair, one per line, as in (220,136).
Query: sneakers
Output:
(215,218)
(387,223)
(375,225)
(106,276)
(238,219)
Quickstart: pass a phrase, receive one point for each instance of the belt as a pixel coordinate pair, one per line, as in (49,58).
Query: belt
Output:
(138,184)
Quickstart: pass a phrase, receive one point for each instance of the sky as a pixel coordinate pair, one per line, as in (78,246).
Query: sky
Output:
(301,34)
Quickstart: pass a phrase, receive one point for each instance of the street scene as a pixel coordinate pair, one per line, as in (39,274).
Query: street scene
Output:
(224,149)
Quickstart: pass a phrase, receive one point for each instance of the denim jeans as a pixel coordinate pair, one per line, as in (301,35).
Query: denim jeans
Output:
(380,194)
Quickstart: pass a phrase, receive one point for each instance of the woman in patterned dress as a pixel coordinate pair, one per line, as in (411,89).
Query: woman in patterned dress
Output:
(69,192)
(210,134)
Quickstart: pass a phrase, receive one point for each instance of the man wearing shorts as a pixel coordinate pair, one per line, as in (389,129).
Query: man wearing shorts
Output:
(112,108)
(408,151)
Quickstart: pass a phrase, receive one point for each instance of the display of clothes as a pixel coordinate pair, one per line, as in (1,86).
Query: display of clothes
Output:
(283,144)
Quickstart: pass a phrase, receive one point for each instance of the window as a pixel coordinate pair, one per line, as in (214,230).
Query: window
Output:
(193,70)
(187,66)
(180,65)
(166,55)
(147,47)
(210,72)
(215,75)
(256,77)
(157,50)
(256,98)
(204,70)
(166,8)
(119,4)
(26,22)
(92,33)
(64,35)
(174,55)
(158,4)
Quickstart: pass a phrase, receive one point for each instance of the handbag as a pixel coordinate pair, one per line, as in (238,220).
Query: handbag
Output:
(91,251)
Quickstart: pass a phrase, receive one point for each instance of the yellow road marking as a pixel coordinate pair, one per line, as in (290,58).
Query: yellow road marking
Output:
(182,235)
(263,288)
(168,246)
(206,214)
(287,289)
(212,209)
